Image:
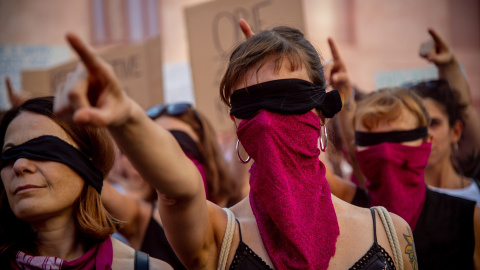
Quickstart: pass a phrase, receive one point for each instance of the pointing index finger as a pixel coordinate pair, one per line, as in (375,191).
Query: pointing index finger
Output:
(9,88)
(438,40)
(247,31)
(333,49)
(84,51)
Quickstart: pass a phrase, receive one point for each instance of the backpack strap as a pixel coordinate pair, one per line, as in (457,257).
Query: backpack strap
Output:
(142,261)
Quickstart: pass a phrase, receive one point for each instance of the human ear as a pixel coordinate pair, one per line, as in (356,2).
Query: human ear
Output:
(456,131)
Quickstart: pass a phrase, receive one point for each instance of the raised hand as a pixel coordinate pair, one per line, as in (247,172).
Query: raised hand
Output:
(440,53)
(247,31)
(16,99)
(92,94)
(338,75)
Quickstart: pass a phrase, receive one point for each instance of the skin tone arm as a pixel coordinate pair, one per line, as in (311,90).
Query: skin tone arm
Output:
(341,188)
(449,69)
(340,81)
(134,213)
(94,97)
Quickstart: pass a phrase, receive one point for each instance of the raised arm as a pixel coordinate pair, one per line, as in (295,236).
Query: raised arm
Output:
(93,96)
(449,69)
(339,80)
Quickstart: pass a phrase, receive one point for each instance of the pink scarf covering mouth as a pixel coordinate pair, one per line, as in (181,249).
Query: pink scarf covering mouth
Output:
(395,177)
(289,194)
(98,257)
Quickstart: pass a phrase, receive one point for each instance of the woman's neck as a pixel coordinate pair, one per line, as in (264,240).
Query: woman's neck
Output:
(443,175)
(57,237)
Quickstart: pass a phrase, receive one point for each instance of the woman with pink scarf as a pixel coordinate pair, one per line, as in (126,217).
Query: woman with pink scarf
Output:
(275,86)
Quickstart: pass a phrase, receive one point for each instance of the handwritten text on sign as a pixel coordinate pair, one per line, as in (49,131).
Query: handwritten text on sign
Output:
(213,32)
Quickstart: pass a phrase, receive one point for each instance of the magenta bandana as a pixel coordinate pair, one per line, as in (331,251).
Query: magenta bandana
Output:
(289,193)
(395,174)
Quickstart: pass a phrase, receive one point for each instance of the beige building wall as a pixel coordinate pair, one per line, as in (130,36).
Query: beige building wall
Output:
(372,35)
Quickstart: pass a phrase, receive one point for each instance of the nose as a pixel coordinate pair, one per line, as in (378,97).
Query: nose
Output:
(23,166)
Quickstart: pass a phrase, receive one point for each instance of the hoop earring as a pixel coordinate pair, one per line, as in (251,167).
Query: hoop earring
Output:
(323,138)
(238,154)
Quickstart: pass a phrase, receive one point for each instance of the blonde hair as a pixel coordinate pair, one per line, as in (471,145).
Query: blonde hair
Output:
(386,104)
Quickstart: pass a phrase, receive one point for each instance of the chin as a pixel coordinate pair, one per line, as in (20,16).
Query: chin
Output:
(28,212)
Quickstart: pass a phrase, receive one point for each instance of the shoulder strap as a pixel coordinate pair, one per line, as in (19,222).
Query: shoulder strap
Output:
(374,225)
(227,240)
(142,261)
(239,230)
(391,234)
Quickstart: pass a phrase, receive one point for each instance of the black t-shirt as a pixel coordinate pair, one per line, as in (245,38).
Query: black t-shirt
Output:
(444,236)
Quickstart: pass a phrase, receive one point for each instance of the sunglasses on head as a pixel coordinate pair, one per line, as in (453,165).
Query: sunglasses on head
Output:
(171,109)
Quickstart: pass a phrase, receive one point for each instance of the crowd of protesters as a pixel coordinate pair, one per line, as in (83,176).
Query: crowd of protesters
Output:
(91,180)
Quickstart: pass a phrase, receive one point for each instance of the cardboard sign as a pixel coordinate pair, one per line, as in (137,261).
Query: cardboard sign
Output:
(138,67)
(213,32)
(15,57)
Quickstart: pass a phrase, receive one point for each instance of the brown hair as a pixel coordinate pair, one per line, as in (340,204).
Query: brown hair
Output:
(219,183)
(387,103)
(280,42)
(93,222)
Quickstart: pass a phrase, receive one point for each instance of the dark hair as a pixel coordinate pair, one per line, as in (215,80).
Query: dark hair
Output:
(93,222)
(281,42)
(441,92)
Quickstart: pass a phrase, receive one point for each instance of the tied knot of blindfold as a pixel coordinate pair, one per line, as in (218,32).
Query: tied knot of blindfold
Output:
(51,148)
(373,138)
(287,96)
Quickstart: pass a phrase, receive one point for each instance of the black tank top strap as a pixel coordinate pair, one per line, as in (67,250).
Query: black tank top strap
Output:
(239,229)
(374,225)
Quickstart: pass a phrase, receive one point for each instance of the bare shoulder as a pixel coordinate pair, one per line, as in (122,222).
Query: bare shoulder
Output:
(124,258)
(123,255)
(156,264)
(406,241)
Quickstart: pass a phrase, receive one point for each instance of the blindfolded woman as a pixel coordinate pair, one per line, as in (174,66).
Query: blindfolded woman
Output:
(52,174)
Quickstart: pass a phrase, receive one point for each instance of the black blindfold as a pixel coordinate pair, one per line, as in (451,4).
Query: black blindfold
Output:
(369,139)
(51,148)
(287,96)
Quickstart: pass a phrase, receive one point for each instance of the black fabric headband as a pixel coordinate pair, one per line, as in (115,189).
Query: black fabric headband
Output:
(52,148)
(368,139)
(288,96)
